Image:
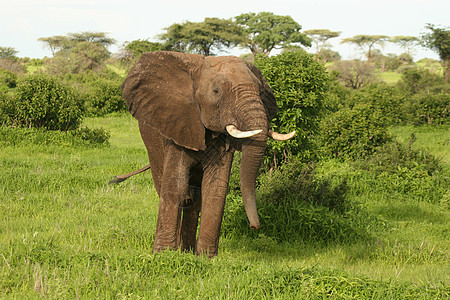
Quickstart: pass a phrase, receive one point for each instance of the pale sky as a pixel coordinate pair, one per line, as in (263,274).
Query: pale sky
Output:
(22,22)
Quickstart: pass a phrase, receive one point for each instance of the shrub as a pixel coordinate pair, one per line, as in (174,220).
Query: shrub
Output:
(416,80)
(105,97)
(101,93)
(354,132)
(296,205)
(10,136)
(406,174)
(43,102)
(431,109)
(8,78)
(389,100)
(300,85)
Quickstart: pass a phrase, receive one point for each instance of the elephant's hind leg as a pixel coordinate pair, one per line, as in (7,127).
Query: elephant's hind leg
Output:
(191,211)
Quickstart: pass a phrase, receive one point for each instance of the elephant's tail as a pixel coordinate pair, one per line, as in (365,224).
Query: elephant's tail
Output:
(120,178)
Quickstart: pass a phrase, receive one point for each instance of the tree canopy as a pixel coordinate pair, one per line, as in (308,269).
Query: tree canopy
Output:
(8,52)
(405,42)
(207,37)
(320,37)
(138,47)
(438,40)
(266,31)
(366,42)
(78,52)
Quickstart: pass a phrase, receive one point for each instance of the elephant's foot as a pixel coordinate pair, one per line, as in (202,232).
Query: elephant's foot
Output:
(207,249)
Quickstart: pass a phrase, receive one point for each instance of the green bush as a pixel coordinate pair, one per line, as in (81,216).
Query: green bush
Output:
(8,78)
(417,80)
(389,100)
(393,156)
(43,102)
(10,136)
(296,205)
(406,174)
(300,85)
(101,93)
(431,109)
(106,97)
(354,132)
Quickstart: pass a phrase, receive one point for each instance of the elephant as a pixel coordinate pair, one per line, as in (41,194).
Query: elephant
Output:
(193,113)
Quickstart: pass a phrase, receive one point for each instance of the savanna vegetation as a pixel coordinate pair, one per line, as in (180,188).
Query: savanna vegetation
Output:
(355,207)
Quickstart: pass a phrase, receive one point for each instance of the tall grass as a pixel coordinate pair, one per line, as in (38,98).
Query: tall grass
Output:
(65,233)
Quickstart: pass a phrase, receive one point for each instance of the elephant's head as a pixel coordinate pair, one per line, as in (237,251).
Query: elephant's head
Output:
(183,95)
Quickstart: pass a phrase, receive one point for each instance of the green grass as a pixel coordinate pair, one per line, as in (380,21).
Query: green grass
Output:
(65,233)
(435,140)
(390,77)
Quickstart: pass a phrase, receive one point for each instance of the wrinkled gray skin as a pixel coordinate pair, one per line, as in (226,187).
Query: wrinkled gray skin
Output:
(183,103)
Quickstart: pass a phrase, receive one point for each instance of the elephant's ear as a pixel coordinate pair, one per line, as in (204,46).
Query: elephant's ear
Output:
(159,91)
(267,96)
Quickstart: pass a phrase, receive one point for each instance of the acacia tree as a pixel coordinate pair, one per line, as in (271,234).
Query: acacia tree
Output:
(405,42)
(54,43)
(366,43)
(207,37)
(265,31)
(438,40)
(8,52)
(78,52)
(93,37)
(320,37)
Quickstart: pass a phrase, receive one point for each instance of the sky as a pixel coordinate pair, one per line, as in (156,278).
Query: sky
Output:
(22,22)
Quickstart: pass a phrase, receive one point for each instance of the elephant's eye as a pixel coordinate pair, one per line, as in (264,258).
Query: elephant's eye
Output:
(216,91)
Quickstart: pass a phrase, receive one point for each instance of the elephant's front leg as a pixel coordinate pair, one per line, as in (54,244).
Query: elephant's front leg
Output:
(214,191)
(174,187)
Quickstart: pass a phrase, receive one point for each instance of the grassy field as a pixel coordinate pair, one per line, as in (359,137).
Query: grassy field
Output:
(65,233)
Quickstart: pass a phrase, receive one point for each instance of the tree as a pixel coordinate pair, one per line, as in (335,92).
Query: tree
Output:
(438,40)
(138,47)
(94,37)
(78,52)
(366,43)
(320,37)
(265,31)
(207,37)
(8,52)
(59,43)
(405,42)
(54,43)
(354,74)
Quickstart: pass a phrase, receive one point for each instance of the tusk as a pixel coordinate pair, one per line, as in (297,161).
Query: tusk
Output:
(281,137)
(234,132)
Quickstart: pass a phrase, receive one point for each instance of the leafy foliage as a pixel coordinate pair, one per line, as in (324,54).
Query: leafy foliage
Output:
(300,85)
(296,205)
(439,41)
(8,52)
(83,136)
(354,132)
(82,57)
(42,101)
(205,37)
(391,101)
(8,78)
(432,109)
(366,42)
(266,31)
(136,48)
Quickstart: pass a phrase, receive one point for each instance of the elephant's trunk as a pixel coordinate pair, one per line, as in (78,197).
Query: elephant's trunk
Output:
(252,156)
(252,116)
